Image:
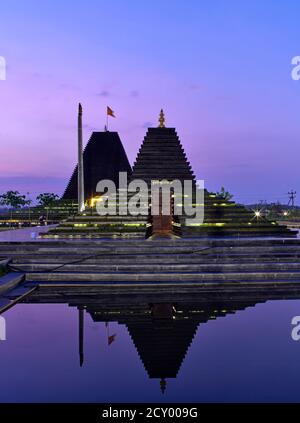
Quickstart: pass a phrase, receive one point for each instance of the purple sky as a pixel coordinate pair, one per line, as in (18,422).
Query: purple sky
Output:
(221,70)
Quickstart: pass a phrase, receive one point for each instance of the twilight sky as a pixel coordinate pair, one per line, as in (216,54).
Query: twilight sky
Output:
(221,70)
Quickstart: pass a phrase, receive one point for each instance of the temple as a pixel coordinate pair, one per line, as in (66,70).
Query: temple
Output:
(103,158)
(161,157)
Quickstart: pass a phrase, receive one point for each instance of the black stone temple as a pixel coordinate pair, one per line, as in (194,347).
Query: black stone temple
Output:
(103,158)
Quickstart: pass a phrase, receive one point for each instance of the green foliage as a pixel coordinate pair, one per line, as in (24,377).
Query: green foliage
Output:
(47,199)
(224,195)
(13,199)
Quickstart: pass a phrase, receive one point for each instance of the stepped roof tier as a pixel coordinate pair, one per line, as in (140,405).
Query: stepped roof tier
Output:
(103,158)
(161,156)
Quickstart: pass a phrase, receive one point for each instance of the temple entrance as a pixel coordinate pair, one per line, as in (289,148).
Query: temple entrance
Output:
(162,223)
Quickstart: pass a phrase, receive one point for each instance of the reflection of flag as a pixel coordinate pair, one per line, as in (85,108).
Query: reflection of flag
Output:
(110,112)
(111,339)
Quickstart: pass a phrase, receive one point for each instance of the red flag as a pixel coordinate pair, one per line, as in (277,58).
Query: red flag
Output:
(111,339)
(110,112)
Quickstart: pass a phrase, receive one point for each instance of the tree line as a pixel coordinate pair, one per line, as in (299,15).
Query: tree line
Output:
(14,200)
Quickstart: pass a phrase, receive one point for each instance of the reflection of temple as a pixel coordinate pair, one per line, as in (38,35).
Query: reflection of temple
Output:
(162,333)
(161,328)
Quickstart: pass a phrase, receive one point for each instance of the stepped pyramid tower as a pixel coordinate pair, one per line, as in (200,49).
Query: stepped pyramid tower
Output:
(103,158)
(160,157)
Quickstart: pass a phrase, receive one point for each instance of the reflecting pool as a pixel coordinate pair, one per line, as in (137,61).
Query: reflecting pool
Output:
(83,348)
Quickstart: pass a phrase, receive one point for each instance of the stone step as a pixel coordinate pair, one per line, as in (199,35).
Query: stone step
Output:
(10,298)
(168,242)
(157,268)
(155,258)
(98,256)
(251,288)
(159,244)
(10,281)
(104,256)
(202,278)
(47,248)
(239,233)
(97,235)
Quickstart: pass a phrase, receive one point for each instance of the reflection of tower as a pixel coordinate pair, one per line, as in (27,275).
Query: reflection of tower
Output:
(162,345)
(162,332)
(81,334)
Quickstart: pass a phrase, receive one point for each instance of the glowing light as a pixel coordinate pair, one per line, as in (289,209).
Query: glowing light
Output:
(257,213)
(94,200)
(207,224)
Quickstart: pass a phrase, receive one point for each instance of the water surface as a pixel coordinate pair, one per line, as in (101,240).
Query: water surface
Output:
(246,356)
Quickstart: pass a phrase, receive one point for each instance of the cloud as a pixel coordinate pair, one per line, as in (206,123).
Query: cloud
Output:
(89,127)
(147,125)
(194,87)
(104,93)
(134,93)
(67,86)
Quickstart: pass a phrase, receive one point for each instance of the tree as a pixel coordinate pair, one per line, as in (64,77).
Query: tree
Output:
(224,195)
(47,200)
(13,200)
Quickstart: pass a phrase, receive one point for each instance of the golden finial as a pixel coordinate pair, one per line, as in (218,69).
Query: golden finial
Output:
(161,119)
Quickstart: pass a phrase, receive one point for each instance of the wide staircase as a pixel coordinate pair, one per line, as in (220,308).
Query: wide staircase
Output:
(167,263)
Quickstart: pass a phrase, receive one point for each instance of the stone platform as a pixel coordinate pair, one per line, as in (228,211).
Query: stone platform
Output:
(160,264)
